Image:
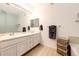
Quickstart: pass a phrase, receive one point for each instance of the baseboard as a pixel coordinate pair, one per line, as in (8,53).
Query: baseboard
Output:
(48,45)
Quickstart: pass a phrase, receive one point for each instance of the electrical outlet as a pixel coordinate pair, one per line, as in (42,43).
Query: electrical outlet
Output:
(59,25)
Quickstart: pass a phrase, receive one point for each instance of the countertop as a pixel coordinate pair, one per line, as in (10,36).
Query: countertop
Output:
(8,36)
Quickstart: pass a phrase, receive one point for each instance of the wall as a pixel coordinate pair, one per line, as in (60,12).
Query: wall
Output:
(62,15)
(24,18)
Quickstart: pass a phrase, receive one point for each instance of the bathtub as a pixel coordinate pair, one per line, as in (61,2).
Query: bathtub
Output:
(74,49)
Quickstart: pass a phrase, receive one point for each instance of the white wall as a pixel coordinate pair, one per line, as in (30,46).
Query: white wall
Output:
(63,15)
(27,6)
(24,18)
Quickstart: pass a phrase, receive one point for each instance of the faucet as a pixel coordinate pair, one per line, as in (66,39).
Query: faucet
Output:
(12,33)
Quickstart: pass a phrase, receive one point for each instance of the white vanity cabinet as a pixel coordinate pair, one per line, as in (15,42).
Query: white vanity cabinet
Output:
(21,48)
(31,41)
(36,39)
(28,43)
(19,45)
(9,51)
(8,48)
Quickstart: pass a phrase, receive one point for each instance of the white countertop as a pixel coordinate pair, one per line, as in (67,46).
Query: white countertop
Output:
(7,36)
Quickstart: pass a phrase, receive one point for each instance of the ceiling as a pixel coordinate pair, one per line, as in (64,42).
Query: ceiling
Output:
(19,8)
(10,8)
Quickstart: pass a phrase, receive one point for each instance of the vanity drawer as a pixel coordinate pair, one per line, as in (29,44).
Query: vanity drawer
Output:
(8,43)
(20,39)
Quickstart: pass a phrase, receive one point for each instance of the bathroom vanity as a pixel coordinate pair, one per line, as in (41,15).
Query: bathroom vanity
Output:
(18,43)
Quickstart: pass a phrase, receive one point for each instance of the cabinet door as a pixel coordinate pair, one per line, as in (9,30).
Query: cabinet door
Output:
(34,40)
(28,43)
(38,38)
(31,42)
(9,51)
(21,48)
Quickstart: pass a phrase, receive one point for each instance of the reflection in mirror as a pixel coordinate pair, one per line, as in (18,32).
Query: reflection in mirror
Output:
(13,18)
(8,22)
(34,22)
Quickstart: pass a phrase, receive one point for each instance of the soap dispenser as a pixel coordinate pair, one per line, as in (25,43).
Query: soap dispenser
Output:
(41,28)
(24,29)
(28,28)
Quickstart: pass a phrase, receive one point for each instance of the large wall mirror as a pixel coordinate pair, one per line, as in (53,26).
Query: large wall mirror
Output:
(8,22)
(13,19)
(34,22)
